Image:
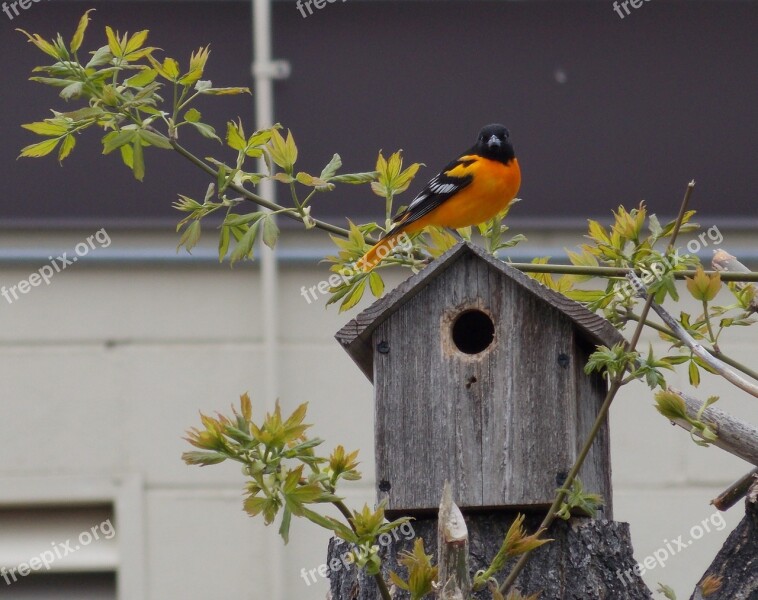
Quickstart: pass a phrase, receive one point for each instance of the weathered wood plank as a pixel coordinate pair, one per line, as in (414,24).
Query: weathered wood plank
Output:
(356,335)
(595,473)
(504,425)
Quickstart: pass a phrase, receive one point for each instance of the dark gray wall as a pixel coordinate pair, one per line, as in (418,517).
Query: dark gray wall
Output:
(603,111)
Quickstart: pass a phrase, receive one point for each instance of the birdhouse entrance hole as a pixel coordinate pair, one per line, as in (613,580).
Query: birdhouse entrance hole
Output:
(473,331)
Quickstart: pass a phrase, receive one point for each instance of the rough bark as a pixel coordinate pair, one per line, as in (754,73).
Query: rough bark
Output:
(588,559)
(737,561)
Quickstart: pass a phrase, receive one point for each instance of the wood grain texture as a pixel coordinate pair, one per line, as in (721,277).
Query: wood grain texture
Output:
(588,560)
(356,335)
(503,426)
(452,549)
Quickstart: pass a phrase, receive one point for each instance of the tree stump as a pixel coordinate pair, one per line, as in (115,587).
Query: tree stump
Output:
(737,561)
(589,559)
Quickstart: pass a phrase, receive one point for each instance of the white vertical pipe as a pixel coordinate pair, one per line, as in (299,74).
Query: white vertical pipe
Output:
(263,92)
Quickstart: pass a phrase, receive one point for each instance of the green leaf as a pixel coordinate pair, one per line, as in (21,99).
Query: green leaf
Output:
(670,405)
(40,149)
(331,524)
(155,139)
(331,169)
(114,44)
(259,138)
(268,506)
(355,178)
(100,57)
(72,91)
(205,130)
(136,41)
(376,284)
(283,177)
(190,237)
(203,459)
(694,374)
(76,41)
(244,248)
(192,115)
(226,91)
(42,44)
(704,287)
(171,67)
(234,137)
(127,155)
(310,180)
(585,296)
(354,296)
(223,243)
(270,231)
(235,220)
(666,591)
(138,160)
(66,147)
(284,528)
(46,128)
(116,139)
(143,78)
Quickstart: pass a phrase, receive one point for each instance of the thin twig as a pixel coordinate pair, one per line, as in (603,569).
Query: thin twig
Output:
(524,267)
(697,349)
(613,388)
(623,272)
(717,353)
(248,195)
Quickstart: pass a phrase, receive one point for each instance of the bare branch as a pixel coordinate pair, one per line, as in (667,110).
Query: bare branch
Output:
(735,492)
(697,349)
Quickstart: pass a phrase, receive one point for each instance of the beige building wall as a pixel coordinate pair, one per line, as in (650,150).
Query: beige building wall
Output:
(103,370)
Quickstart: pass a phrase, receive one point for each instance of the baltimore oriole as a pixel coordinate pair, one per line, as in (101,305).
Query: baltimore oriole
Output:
(472,189)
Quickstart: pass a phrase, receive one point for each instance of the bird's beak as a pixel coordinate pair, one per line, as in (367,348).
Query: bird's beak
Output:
(493,141)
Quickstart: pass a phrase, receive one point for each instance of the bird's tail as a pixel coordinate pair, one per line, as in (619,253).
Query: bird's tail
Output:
(380,250)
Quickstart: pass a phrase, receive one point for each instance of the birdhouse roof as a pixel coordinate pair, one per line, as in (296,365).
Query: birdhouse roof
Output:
(356,335)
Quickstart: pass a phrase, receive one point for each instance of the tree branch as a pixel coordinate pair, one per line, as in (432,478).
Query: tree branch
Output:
(253,197)
(613,388)
(697,349)
(733,435)
(726,263)
(735,492)
(741,276)
(717,353)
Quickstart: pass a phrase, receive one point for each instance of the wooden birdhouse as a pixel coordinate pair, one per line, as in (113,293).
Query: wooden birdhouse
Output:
(478,374)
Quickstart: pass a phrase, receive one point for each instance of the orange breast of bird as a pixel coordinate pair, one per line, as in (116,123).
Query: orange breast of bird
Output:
(493,187)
